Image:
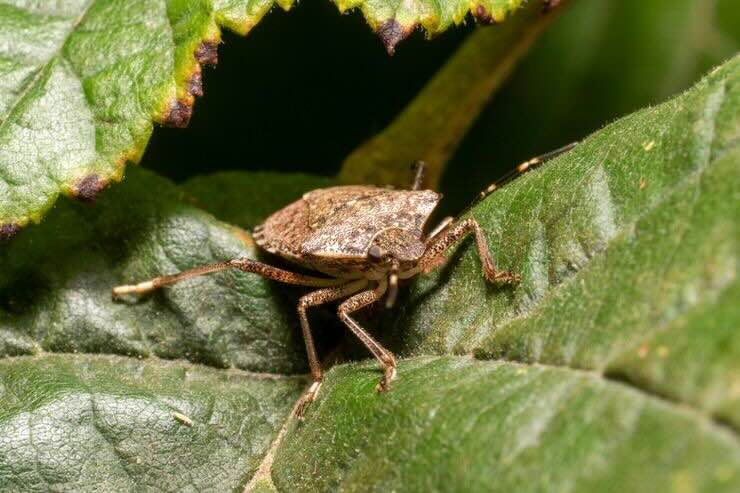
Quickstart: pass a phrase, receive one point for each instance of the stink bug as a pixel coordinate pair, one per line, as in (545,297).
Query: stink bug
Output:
(363,239)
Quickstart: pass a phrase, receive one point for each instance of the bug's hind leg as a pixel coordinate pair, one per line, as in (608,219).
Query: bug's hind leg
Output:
(384,356)
(441,243)
(316,298)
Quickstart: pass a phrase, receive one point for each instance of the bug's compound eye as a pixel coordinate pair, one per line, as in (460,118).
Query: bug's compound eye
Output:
(375,253)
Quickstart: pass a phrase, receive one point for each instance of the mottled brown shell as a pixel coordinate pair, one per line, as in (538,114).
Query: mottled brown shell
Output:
(331,229)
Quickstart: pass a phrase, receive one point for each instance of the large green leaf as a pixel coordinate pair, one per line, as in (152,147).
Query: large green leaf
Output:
(456,424)
(84,79)
(115,423)
(98,423)
(612,366)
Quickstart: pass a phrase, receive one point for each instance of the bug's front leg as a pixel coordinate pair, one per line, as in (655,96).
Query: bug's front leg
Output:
(243,264)
(385,357)
(316,298)
(438,245)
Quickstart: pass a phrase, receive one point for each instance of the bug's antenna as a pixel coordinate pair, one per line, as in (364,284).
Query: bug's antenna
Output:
(390,300)
(419,168)
(528,165)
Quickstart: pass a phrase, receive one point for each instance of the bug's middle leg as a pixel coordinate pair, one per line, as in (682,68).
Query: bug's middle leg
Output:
(316,298)
(385,357)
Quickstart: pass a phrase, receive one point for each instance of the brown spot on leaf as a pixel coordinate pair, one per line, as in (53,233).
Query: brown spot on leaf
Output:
(207,53)
(483,16)
(391,33)
(179,114)
(195,84)
(7,231)
(550,5)
(88,188)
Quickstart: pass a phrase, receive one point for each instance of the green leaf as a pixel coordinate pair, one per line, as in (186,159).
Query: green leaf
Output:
(83,81)
(456,424)
(62,302)
(101,423)
(394,20)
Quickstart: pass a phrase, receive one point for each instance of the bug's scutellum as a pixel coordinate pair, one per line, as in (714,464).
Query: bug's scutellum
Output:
(385,244)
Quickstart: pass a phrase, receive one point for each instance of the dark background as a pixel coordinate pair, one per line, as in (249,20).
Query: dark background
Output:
(306,87)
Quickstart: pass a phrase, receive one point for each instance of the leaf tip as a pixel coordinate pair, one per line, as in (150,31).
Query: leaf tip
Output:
(207,53)
(179,114)
(391,33)
(7,231)
(88,188)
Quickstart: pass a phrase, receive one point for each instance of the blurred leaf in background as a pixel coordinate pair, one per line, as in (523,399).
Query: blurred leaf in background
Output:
(601,59)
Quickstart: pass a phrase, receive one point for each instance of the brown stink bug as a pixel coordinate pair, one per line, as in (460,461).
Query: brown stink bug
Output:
(363,239)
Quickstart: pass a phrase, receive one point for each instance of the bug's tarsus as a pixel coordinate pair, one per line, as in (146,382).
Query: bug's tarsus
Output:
(141,288)
(419,168)
(306,399)
(158,282)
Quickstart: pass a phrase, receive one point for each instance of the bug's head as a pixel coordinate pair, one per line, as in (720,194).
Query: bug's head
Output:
(395,249)
(396,244)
